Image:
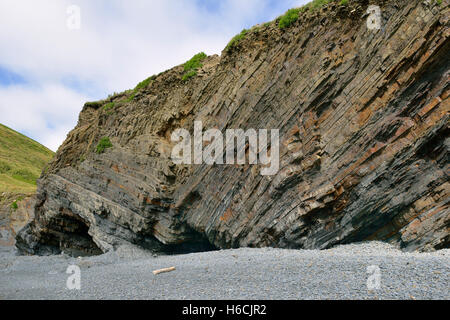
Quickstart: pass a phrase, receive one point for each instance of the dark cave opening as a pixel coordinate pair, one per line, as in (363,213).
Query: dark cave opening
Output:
(192,242)
(189,247)
(69,233)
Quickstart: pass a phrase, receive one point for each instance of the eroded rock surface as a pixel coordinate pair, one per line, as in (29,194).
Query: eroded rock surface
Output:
(13,220)
(363,118)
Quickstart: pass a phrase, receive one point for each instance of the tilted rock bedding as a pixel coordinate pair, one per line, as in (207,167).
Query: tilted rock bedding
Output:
(364,145)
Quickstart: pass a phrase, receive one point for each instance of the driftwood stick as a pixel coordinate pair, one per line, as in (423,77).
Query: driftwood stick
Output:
(163,270)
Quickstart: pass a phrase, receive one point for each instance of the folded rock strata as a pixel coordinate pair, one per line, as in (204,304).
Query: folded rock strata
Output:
(364,144)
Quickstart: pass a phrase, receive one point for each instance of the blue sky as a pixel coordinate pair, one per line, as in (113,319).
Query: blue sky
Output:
(48,71)
(8,77)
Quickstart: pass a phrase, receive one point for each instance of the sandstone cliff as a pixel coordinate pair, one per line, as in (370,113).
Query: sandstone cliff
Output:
(364,144)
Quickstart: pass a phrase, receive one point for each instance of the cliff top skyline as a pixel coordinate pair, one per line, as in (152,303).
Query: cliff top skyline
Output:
(50,66)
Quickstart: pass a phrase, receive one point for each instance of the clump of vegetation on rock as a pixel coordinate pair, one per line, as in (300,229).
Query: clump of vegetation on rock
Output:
(144,83)
(292,15)
(108,106)
(103,144)
(191,66)
(236,39)
(316,4)
(189,75)
(289,18)
(195,62)
(131,96)
(14,206)
(141,85)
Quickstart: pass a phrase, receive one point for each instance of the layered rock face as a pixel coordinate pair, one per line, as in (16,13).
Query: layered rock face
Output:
(13,220)
(364,144)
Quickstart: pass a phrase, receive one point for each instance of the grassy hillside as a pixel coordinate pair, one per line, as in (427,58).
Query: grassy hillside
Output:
(21,162)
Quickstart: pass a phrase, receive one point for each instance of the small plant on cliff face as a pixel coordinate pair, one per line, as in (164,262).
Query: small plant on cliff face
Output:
(236,39)
(193,65)
(108,106)
(344,2)
(316,4)
(143,84)
(289,18)
(103,144)
(131,97)
(189,75)
(195,62)
(292,15)
(14,206)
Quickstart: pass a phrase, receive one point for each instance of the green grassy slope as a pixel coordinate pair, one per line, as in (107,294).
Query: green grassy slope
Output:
(21,162)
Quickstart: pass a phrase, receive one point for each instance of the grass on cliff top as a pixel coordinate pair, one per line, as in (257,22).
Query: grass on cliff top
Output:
(292,15)
(21,162)
(285,20)
(289,18)
(144,84)
(191,66)
(141,85)
(315,4)
(236,39)
(195,62)
(108,106)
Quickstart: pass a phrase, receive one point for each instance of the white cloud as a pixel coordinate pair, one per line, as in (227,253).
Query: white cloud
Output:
(119,44)
(28,110)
